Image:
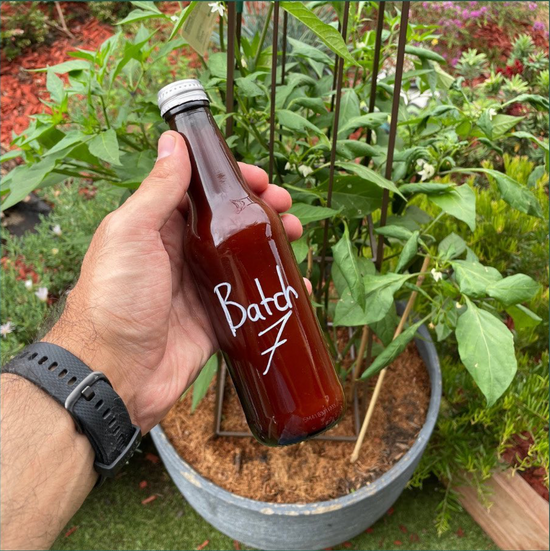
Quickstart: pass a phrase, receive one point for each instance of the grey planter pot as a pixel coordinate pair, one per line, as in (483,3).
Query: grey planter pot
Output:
(314,525)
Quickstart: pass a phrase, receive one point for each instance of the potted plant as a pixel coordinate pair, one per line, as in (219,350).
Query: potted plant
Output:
(355,203)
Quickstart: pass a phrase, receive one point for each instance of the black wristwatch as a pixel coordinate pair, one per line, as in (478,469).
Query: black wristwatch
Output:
(97,410)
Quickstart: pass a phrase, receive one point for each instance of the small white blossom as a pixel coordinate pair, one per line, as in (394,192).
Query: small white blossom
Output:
(174,18)
(492,113)
(436,275)
(288,166)
(458,305)
(427,172)
(55,251)
(6,328)
(217,7)
(57,230)
(305,171)
(42,294)
(361,45)
(420,163)
(244,63)
(28,284)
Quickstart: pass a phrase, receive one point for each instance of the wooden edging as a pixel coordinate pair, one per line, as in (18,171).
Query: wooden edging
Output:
(518,515)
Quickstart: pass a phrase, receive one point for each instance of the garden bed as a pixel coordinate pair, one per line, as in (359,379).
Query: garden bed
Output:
(312,471)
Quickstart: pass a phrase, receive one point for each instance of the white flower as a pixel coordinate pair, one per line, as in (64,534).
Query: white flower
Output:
(288,166)
(492,113)
(361,45)
(436,275)
(420,163)
(42,294)
(244,63)
(28,284)
(305,171)
(6,328)
(427,171)
(55,251)
(217,7)
(57,230)
(174,18)
(458,306)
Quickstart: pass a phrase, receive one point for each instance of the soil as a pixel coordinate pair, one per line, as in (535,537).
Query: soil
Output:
(312,471)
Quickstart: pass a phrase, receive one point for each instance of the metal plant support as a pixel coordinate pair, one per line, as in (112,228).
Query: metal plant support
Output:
(234,16)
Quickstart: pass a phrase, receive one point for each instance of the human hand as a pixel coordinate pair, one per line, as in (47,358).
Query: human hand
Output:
(135,313)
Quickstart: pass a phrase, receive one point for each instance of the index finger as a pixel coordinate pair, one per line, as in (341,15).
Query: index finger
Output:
(255,177)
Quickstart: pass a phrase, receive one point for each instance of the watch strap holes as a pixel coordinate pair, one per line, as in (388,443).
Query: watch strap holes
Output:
(42,360)
(106,413)
(99,404)
(33,355)
(53,366)
(62,373)
(112,422)
(72,381)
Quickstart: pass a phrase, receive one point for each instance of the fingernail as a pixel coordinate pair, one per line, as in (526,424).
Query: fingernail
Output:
(166,146)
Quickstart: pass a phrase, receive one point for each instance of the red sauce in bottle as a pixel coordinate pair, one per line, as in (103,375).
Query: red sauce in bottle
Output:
(252,289)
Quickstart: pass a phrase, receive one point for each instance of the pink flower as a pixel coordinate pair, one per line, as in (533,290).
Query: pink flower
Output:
(465,14)
(532,6)
(538,26)
(475,13)
(484,9)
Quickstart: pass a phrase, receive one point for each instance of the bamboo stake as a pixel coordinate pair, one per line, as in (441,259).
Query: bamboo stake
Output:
(380,381)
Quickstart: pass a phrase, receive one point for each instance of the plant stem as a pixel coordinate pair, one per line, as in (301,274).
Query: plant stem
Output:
(380,381)
(263,35)
(222,44)
(104,109)
(433,222)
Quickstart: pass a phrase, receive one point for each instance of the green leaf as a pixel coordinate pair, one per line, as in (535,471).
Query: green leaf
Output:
(484,122)
(184,14)
(502,124)
(72,138)
(370,176)
(537,101)
(428,188)
(300,248)
(379,299)
(139,15)
(512,192)
(147,5)
(409,251)
(310,213)
(451,247)
(372,120)
(317,105)
(296,122)
(391,351)
(459,202)
(351,149)
(523,317)
(349,107)
(486,348)
(105,147)
(345,256)
(385,328)
(529,136)
(309,52)
(55,87)
(513,289)
(326,33)
(27,179)
(355,197)
(9,155)
(473,278)
(65,67)
(396,232)
(248,87)
(202,382)
(422,53)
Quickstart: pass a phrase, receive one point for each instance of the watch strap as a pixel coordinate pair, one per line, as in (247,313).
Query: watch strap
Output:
(97,410)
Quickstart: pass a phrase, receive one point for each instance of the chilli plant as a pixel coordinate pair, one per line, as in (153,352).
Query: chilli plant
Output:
(104,121)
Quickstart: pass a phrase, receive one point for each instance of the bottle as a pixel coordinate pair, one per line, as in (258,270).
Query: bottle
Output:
(251,286)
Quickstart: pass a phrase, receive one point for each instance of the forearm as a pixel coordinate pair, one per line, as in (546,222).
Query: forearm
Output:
(46,466)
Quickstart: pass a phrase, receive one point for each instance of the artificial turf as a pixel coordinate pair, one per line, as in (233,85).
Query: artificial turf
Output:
(115,517)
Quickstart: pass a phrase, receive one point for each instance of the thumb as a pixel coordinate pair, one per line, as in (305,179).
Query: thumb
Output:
(163,190)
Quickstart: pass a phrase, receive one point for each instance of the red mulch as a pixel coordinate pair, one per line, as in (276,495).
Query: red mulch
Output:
(514,455)
(21,91)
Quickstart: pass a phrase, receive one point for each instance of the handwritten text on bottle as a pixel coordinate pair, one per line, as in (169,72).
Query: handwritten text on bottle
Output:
(261,311)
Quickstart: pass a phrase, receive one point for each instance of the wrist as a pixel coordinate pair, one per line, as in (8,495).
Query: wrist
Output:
(87,346)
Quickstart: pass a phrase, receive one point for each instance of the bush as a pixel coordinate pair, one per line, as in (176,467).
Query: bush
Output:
(22,27)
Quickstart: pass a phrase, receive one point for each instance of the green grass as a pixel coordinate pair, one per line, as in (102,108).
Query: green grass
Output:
(114,518)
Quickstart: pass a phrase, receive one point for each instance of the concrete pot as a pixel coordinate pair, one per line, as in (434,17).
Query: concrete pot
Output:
(308,526)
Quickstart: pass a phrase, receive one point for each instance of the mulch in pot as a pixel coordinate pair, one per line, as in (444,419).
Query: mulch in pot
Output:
(311,471)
